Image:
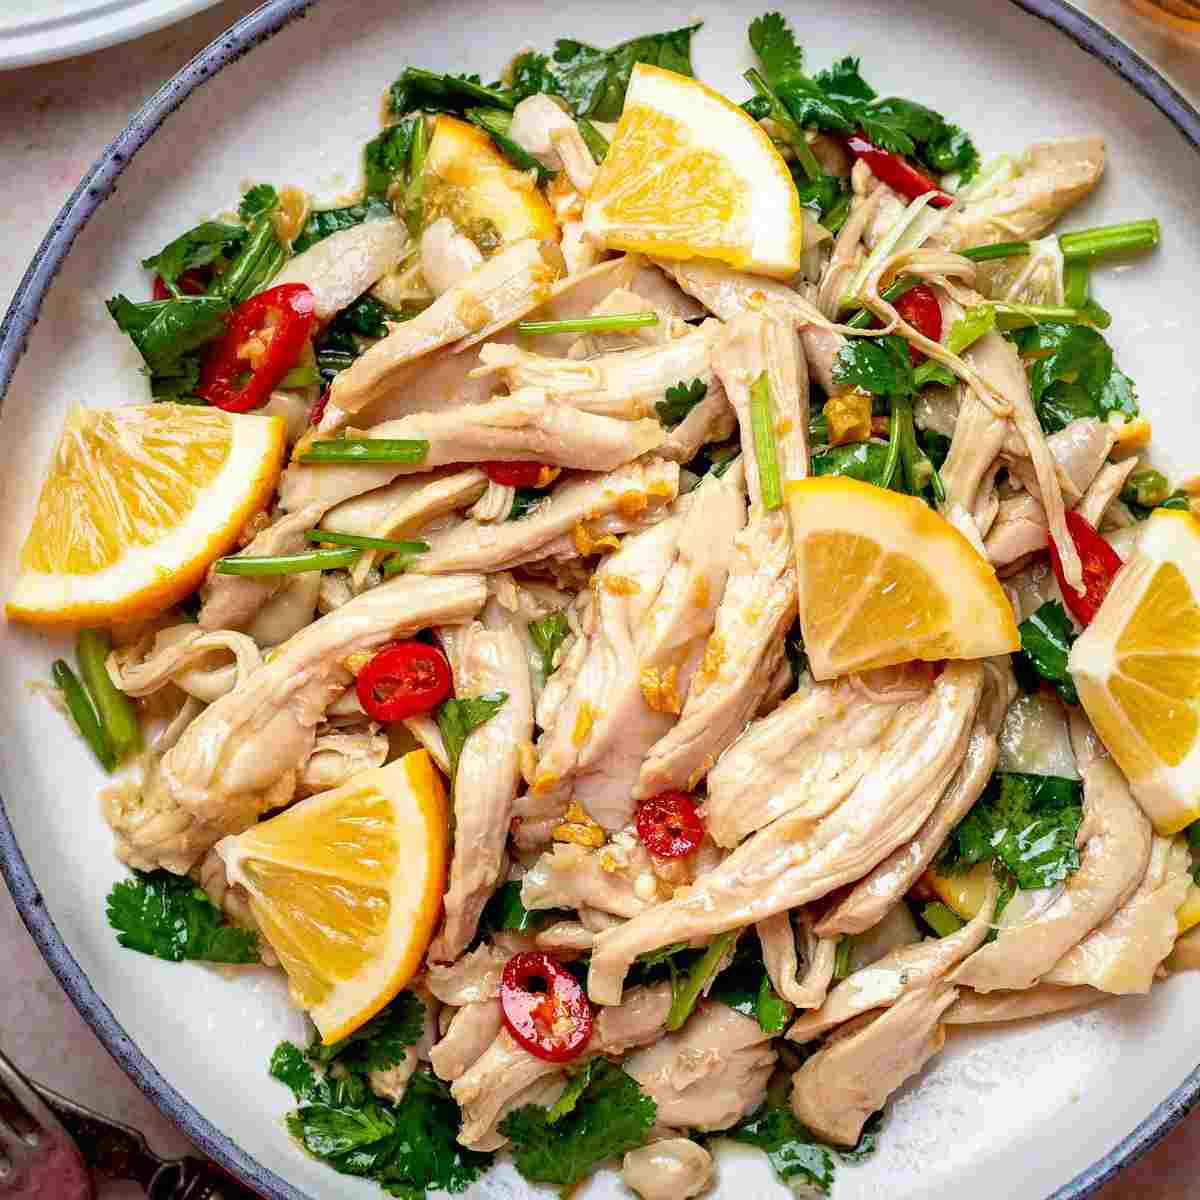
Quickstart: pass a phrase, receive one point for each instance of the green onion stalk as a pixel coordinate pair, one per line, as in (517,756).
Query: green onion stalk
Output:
(286,564)
(79,705)
(406,451)
(114,709)
(766,452)
(615,322)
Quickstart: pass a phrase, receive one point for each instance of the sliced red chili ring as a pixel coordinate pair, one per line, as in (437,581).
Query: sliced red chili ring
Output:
(669,824)
(403,680)
(513,474)
(920,308)
(261,343)
(1100,564)
(896,172)
(544,1007)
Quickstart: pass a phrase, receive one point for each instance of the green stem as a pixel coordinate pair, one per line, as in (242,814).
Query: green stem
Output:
(835,218)
(687,992)
(762,424)
(996,250)
(863,318)
(1014,316)
(286,564)
(83,714)
(1087,245)
(609,324)
(841,958)
(787,123)
(117,715)
(362,542)
(892,463)
(299,377)
(593,139)
(408,451)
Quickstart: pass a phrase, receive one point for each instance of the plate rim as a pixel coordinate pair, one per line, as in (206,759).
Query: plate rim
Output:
(22,314)
(117,22)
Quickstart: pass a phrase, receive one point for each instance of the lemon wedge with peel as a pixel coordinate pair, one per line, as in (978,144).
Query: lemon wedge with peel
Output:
(883,579)
(137,504)
(1137,670)
(468,180)
(347,887)
(691,175)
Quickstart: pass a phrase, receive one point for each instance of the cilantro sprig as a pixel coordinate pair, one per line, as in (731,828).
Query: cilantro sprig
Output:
(169,917)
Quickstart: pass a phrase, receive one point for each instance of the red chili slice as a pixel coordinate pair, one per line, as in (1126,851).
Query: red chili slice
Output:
(896,172)
(261,343)
(402,680)
(1100,565)
(191,283)
(669,824)
(920,308)
(513,474)
(545,1007)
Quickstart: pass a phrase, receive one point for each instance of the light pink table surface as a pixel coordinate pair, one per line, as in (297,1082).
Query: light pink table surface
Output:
(54,120)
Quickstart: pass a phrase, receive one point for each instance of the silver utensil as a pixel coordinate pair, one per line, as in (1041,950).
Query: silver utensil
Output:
(46,1139)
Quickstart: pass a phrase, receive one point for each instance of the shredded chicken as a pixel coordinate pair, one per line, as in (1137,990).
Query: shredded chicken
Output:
(971,1008)
(795,860)
(778,939)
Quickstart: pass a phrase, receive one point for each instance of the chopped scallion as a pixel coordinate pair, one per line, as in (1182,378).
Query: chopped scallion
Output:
(1087,245)
(375,450)
(79,705)
(286,564)
(762,422)
(609,324)
(996,250)
(333,538)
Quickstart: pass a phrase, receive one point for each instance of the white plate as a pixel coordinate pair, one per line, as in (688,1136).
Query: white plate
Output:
(53,29)
(1013,1112)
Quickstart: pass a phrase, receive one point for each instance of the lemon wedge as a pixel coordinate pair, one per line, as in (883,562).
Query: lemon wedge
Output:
(883,579)
(137,504)
(347,887)
(1187,914)
(468,180)
(1137,670)
(690,175)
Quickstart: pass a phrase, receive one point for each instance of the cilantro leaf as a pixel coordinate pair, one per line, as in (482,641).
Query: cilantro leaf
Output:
(611,1116)
(458,719)
(864,461)
(1073,375)
(843,81)
(772,40)
(524,502)
(169,917)
(497,124)
(199,247)
(379,1044)
(680,399)
(577,1084)
(796,1155)
(325,221)
(593,81)
(290,1067)
(260,201)
(432,92)
(548,634)
(504,912)
(1046,639)
(386,157)
(167,331)
(881,366)
(1025,823)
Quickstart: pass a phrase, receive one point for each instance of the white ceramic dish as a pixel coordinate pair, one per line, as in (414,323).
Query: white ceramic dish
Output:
(1028,1111)
(53,29)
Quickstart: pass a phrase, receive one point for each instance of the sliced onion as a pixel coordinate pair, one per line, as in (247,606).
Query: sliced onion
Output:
(1035,740)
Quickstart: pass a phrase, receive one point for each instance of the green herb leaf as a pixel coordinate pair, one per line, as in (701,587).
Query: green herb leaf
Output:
(611,1116)
(432,92)
(881,366)
(593,81)
(1025,823)
(260,201)
(166,332)
(679,400)
(772,40)
(199,247)
(291,1068)
(525,500)
(771,1009)
(688,985)
(1192,833)
(548,634)
(796,1155)
(169,917)
(1046,640)
(458,719)
(380,1043)
(864,461)
(497,123)
(385,158)
(577,1084)
(325,221)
